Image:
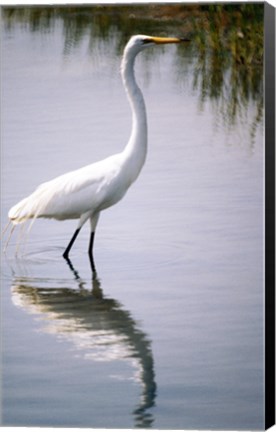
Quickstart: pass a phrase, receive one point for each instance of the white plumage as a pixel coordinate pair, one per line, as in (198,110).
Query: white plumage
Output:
(82,194)
(74,194)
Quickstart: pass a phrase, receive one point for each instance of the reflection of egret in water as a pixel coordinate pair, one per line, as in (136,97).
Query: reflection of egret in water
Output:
(98,327)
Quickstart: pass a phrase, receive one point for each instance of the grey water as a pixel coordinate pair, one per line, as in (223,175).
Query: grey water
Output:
(169,335)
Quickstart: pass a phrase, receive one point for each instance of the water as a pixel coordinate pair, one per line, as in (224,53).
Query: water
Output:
(170,332)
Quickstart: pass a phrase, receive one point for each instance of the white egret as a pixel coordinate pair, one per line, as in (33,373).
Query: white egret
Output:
(82,194)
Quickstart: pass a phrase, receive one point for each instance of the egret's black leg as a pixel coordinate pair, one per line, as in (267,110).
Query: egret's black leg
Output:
(90,252)
(67,250)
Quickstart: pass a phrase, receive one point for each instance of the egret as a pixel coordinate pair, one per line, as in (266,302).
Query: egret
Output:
(82,194)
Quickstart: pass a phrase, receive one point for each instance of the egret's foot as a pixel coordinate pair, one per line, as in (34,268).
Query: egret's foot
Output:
(65,255)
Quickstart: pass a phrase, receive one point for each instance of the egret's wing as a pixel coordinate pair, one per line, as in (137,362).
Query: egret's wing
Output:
(69,195)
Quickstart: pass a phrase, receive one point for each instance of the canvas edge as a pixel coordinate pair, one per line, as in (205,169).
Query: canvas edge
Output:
(269,41)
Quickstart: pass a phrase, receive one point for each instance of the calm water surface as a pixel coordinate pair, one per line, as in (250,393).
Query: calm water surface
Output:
(169,334)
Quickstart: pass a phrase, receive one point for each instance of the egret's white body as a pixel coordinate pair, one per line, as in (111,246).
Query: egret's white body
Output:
(82,194)
(79,194)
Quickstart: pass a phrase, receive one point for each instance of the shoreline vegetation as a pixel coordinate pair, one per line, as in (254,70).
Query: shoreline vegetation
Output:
(226,42)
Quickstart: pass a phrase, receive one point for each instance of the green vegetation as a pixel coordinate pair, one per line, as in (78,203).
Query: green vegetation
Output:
(227,42)
(229,66)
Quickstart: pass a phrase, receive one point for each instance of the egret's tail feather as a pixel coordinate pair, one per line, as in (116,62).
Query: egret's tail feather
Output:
(5,229)
(32,207)
(22,238)
(9,237)
(20,212)
(29,208)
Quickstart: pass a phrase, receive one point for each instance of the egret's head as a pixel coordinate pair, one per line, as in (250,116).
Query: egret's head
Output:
(140,42)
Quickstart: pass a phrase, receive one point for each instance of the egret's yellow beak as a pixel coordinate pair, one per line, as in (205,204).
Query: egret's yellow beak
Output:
(166,40)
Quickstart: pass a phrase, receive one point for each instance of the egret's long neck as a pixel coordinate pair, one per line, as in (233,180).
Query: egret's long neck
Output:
(136,149)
